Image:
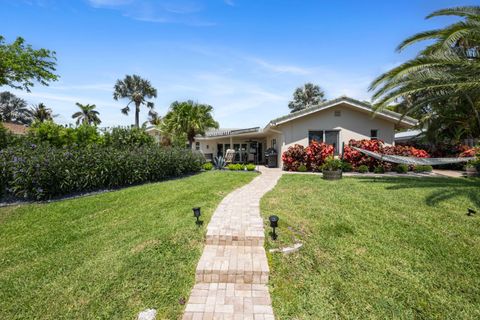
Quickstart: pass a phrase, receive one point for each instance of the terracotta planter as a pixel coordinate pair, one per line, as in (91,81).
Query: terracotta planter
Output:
(472,172)
(332,175)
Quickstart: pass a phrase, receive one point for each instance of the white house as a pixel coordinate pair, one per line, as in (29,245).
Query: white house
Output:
(334,122)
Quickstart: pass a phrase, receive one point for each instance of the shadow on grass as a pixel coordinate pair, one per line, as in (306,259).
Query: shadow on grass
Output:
(442,189)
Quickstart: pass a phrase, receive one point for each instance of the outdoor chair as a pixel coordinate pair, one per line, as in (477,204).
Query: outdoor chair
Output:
(229,155)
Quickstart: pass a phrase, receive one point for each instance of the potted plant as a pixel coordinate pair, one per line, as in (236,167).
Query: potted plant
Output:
(332,169)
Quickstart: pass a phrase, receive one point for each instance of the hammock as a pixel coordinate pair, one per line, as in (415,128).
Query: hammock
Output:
(413,160)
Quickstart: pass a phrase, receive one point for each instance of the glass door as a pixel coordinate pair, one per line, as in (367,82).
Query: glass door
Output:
(331,137)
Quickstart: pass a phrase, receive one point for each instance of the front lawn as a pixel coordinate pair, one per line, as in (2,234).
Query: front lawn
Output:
(107,256)
(376,248)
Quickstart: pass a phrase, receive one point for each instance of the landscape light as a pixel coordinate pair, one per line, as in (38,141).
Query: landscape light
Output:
(197,214)
(273,224)
(471,212)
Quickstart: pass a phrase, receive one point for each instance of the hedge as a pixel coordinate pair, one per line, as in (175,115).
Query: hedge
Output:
(44,172)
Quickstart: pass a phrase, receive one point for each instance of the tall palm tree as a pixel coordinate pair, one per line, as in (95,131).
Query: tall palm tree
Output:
(444,72)
(137,91)
(41,113)
(87,114)
(307,96)
(189,119)
(14,109)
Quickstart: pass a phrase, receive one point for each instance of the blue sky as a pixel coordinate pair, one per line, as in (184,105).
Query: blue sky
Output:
(245,58)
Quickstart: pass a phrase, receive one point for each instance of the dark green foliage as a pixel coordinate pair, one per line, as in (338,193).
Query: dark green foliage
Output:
(20,65)
(379,169)
(121,137)
(423,168)
(401,168)
(362,169)
(208,166)
(347,167)
(302,168)
(43,172)
(56,135)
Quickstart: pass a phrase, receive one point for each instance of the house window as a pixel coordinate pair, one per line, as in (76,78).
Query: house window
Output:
(316,136)
(338,113)
(197,145)
(374,134)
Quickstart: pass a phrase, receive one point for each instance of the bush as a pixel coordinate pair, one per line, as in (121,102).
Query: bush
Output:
(208,166)
(362,169)
(294,157)
(302,168)
(127,137)
(422,168)
(43,172)
(347,167)
(332,164)
(379,169)
(250,167)
(401,168)
(235,167)
(317,153)
(60,136)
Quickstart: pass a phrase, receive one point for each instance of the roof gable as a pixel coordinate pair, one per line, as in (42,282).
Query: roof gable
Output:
(389,115)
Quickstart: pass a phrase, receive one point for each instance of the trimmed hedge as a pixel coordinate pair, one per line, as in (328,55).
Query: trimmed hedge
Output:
(44,172)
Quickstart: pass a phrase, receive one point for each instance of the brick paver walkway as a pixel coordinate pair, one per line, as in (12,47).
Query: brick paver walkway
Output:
(232,273)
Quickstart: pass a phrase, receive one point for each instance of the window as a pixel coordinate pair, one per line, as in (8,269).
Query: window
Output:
(316,136)
(197,145)
(374,134)
(338,113)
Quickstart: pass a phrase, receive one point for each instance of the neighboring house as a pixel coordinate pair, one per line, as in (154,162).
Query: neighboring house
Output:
(15,128)
(155,133)
(334,122)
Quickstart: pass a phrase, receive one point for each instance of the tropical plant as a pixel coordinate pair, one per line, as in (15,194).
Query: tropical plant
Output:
(41,113)
(441,86)
(294,157)
(153,118)
(20,65)
(306,96)
(119,137)
(87,114)
(137,90)
(332,164)
(208,166)
(317,153)
(14,109)
(189,119)
(219,163)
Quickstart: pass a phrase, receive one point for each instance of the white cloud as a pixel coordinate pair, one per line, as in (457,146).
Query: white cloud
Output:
(279,68)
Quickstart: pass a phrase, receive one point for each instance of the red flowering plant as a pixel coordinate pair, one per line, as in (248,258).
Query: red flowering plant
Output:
(472,152)
(294,157)
(317,153)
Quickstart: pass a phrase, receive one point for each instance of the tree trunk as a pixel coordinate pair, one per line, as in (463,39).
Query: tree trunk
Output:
(137,114)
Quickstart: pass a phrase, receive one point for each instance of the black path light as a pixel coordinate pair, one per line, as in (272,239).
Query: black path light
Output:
(197,214)
(273,224)
(471,212)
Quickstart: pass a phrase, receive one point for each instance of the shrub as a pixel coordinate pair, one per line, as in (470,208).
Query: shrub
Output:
(347,167)
(60,136)
(422,168)
(208,166)
(127,137)
(294,157)
(379,169)
(302,168)
(332,164)
(43,172)
(219,163)
(235,167)
(362,169)
(250,167)
(317,153)
(401,168)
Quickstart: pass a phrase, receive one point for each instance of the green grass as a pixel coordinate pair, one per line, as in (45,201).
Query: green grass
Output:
(376,248)
(107,256)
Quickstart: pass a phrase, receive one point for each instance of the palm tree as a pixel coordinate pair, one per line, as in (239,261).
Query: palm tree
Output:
(445,72)
(41,113)
(189,119)
(137,90)
(87,114)
(153,118)
(14,109)
(306,96)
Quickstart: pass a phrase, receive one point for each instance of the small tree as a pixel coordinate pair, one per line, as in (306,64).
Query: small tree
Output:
(14,109)
(137,90)
(306,96)
(87,114)
(41,113)
(20,65)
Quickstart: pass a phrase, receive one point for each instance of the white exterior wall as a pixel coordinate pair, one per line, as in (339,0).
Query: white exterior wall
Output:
(352,124)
